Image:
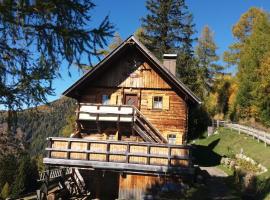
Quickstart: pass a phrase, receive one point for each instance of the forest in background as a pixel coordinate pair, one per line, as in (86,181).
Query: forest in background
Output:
(22,152)
(167,28)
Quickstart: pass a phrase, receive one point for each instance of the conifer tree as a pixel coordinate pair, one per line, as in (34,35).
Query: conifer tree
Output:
(167,27)
(8,166)
(187,65)
(26,178)
(35,38)
(207,58)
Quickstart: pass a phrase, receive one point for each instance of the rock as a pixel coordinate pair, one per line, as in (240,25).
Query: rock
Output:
(232,164)
(227,161)
(222,161)
(249,182)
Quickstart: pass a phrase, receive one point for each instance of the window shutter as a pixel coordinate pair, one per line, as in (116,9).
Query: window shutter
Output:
(149,102)
(166,103)
(118,100)
(113,99)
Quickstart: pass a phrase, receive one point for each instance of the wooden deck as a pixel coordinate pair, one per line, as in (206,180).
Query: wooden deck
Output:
(120,113)
(119,156)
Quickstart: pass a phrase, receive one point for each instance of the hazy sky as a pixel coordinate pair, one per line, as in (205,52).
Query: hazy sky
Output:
(220,15)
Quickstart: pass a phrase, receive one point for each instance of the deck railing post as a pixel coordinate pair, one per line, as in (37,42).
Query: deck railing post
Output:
(108,152)
(50,146)
(127,153)
(88,149)
(148,154)
(169,155)
(69,148)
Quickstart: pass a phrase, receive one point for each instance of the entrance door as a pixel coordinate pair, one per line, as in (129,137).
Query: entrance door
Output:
(131,99)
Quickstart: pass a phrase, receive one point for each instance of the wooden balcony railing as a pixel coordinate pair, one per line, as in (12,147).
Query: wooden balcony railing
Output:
(118,155)
(121,113)
(98,112)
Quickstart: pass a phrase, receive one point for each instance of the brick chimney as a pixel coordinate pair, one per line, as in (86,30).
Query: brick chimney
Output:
(169,61)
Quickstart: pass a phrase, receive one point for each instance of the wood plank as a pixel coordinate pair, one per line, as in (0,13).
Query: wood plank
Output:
(64,139)
(118,166)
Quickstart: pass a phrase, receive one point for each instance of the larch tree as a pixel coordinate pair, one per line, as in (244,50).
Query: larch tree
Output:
(35,38)
(207,61)
(116,41)
(250,55)
(139,34)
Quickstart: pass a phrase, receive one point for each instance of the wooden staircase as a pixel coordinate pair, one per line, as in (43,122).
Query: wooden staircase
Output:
(146,129)
(65,179)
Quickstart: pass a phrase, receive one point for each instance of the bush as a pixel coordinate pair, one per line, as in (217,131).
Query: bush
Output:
(198,122)
(5,191)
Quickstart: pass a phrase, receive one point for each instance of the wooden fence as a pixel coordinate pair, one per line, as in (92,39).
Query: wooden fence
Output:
(255,133)
(117,155)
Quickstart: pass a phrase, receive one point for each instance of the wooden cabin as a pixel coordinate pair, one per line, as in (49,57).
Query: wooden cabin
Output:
(131,124)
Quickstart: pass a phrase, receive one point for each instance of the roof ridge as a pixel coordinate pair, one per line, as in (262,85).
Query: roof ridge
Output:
(145,50)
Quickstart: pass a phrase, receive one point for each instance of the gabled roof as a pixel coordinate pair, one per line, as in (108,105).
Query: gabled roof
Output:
(71,91)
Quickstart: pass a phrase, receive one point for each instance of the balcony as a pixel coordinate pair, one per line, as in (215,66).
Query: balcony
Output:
(120,114)
(114,113)
(130,157)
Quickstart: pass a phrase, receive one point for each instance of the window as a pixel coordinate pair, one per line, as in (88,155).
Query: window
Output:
(157,102)
(111,137)
(171,138)
(105,99)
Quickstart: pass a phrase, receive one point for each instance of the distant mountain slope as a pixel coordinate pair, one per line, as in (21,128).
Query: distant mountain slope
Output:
(44,122)
(10,144)
(36,124)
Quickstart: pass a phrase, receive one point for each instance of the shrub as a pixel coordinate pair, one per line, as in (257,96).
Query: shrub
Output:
(5,191)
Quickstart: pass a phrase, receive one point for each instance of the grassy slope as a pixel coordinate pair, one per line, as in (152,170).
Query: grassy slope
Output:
(230,142)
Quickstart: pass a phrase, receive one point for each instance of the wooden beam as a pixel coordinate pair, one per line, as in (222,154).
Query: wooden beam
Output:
(116,166)
(64,139)
(116,153)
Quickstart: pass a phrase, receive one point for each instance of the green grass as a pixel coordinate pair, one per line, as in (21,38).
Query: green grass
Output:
(209,150)
(228,143)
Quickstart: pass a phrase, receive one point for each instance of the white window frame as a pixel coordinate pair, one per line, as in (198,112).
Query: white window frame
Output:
(105,99)
(157,103)
(171,138)
(111,137)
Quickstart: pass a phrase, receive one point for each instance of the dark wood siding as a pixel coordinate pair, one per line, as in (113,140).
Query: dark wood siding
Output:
(131,71)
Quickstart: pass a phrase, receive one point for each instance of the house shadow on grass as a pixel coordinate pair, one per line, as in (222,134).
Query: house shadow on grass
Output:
(205,156)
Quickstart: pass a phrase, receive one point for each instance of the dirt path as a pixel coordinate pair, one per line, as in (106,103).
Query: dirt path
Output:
(217,185)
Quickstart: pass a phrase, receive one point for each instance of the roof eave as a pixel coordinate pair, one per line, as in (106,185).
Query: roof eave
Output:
(192,97)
